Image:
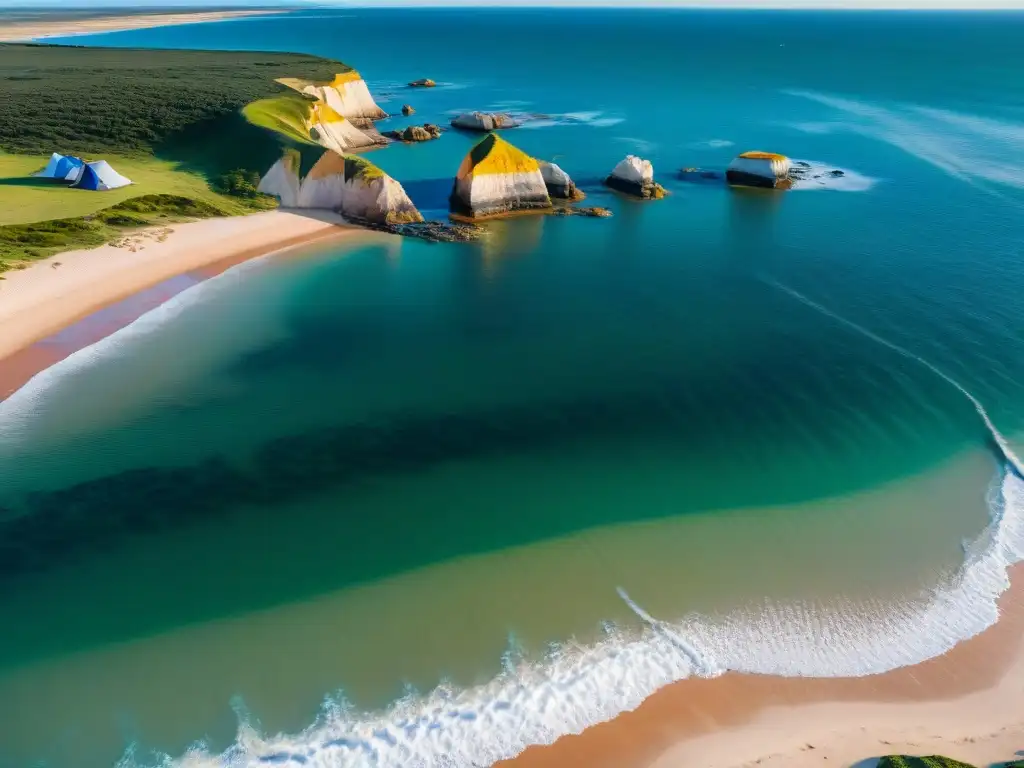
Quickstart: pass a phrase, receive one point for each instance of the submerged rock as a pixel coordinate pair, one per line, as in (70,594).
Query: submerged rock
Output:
(357,189)
(431,231)
(635,176)
(484,121)
(558,182)
(591,211)
(425,82)
(407,110)
(332,130)
(496,179)
(282,180)
(760,169)
(416,133)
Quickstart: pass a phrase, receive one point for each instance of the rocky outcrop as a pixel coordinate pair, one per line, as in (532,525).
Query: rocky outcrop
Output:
(760,169)
(425,82)
(407,110)
(416,133)
(484,121)
(496,179)
(635,176)
(594,212)
(558,182)
(357,189)
(333,131)
(282,180)
(347,95)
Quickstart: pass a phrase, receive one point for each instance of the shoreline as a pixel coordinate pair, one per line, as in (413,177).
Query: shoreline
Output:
(28,31)
(57,293)
(967,704)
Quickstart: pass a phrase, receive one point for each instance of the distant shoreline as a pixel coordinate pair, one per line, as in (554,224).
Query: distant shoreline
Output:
(60,23)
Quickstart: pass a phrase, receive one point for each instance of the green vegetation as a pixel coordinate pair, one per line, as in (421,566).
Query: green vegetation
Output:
(932,761)
(357,167)
(196,125)
(23,243)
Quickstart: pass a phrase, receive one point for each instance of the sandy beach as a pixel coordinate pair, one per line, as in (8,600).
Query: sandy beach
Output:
(62,26)
(55,292)
(967,704)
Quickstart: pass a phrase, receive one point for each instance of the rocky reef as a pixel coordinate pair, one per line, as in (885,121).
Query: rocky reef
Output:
(282,180)
(424,82)
(594,212)
(559,184)
(931,761)
(484,121)
(760,169)
(497,179)
(415,133)
(635,176)
(357,189)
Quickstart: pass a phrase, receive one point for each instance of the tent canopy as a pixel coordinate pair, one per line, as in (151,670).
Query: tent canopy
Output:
(100,176)
(61,167)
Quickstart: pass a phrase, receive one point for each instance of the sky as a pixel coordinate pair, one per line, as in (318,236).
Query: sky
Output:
(843,4)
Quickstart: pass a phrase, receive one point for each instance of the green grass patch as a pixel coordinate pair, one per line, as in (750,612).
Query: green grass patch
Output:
(20,244)
(285,114)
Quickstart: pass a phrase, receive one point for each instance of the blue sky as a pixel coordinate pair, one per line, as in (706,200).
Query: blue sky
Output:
(846,4)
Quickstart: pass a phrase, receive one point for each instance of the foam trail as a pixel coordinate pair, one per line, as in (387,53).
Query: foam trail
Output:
(698,660)
(1001,442)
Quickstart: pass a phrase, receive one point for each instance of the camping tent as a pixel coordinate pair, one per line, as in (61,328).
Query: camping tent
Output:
(61,167)
(100,176)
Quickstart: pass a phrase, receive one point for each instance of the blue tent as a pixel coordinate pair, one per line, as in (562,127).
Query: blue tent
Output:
(61,167)
(99,176)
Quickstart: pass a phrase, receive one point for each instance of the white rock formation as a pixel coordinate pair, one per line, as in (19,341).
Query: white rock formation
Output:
(759,169)
(331,130)
(558,182)
(484,121)
(282,180)
(635,176)
(496,179)
(356,188)
(347,95)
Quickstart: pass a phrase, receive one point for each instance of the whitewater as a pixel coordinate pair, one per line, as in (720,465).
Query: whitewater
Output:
(537,701)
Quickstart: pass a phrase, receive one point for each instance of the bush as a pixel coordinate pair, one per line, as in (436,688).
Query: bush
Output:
(238,183)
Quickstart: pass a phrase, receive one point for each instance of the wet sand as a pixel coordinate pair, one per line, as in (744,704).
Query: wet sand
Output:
(69,301)
(59,23)
(967,704)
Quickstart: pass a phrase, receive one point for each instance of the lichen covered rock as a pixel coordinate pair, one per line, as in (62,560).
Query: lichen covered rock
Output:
(282,180)
(558,182)
(358,189)
(497,179)
(759,169)
(635,176)
(484,121)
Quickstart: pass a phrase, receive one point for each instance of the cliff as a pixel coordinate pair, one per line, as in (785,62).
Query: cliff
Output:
(497,179)
(635,176)
(759,169)
(282,180)
(346,94)
(332,130)
(357,189)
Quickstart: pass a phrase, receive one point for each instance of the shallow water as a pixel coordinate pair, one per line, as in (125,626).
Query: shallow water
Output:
(365,472)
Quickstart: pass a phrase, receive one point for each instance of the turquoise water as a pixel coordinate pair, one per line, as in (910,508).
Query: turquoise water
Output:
(364,472)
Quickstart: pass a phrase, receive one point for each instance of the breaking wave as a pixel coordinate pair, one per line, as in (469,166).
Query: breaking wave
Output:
(575,686)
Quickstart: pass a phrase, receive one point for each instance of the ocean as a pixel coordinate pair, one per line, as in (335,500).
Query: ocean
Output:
(397,503)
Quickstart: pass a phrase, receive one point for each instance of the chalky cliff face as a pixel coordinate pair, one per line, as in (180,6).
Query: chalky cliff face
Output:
(759,169)
(347,95)
(330,129)
(497,179)
(282,180)
(357,189)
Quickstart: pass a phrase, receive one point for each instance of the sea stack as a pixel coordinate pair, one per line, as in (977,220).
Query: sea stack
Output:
(635,176)
(558,182)
(759,169)
(496,179)
(282,180)
(332,130)
(347,95)
(357,189)
(484,121)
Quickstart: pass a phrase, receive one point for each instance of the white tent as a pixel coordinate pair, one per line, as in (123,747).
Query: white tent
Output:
(100,176)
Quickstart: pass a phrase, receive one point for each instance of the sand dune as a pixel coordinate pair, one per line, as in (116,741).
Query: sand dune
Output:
(59,24)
